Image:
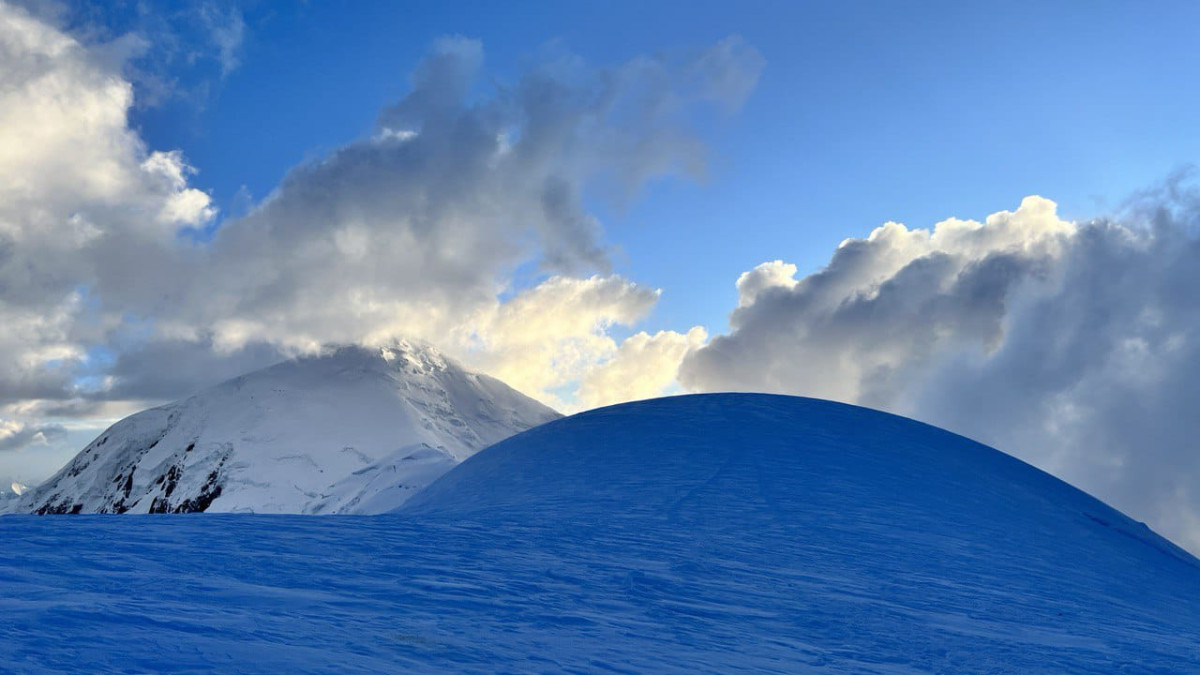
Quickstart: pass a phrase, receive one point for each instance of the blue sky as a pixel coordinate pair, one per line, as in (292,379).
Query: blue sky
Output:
(866,112)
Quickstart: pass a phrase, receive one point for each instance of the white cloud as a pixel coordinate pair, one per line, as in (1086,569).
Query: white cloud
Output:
(1073,346)
(184,205)
(645,366)
(75,184)
(774,274)
(553,334)
(898,297)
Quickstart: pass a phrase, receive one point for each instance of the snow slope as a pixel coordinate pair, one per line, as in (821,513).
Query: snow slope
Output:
(694,534)
(357,430)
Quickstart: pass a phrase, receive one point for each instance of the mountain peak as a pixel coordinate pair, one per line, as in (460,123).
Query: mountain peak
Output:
(329,432)
(416,353)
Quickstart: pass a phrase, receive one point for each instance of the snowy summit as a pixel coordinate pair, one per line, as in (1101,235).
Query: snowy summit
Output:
(354,431)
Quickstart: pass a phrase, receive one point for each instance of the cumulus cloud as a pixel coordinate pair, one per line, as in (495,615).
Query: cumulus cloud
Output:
(773,274)
(1075,346)
(898,297)
(643,367)
(77,189)
(551,335)
(417,230)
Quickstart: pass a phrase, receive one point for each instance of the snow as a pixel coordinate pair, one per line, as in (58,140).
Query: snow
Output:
(325,434)
(711,533)
(700,533)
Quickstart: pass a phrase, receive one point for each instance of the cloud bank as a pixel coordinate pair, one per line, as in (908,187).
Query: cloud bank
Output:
(1073,346)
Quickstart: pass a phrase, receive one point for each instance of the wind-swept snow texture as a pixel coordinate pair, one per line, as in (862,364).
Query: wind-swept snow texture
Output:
(355,431)
(694,534)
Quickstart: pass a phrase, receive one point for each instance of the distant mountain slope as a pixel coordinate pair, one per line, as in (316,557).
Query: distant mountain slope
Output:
(358,430)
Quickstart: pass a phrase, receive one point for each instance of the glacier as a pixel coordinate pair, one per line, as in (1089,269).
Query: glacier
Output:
(709,533)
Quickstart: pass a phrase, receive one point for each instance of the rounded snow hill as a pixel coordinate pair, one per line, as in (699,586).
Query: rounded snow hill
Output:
(805,533)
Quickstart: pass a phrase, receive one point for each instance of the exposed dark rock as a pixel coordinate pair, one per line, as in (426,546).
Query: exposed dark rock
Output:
(172,479)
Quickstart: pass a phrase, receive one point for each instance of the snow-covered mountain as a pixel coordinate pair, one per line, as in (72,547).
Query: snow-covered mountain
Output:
(354,431)
(698,534)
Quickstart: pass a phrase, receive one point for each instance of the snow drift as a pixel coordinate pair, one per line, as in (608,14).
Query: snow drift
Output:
(354,431)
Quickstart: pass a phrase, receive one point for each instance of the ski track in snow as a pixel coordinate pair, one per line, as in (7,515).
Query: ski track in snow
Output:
(667,536)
